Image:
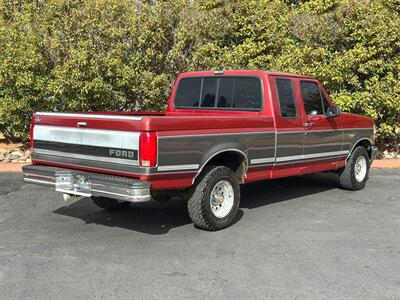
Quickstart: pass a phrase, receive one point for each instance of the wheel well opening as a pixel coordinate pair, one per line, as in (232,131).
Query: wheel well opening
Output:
(233,160)
(366,144)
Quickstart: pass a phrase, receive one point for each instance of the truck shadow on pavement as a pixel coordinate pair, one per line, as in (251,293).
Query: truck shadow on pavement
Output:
(159,218)
(258,194)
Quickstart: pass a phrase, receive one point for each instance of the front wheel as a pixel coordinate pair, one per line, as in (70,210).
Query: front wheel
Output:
(355,175)
(214,200)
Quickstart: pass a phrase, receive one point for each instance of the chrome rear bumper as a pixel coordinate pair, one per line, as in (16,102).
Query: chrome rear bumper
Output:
(86,184)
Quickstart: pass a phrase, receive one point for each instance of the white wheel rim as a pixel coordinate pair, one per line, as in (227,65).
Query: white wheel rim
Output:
(222,198)
(360,168)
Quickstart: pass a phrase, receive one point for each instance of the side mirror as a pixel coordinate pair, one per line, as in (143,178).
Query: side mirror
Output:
(333,111)
(313,113)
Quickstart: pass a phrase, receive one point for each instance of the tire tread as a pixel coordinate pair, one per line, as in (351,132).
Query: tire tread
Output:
(346,175)
(196,203)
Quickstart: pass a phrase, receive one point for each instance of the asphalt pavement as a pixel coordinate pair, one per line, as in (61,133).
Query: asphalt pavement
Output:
(294,238)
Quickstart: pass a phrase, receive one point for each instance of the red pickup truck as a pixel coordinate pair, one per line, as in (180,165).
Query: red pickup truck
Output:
(220,129)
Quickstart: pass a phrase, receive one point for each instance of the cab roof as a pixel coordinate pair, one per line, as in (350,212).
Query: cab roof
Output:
(244,72)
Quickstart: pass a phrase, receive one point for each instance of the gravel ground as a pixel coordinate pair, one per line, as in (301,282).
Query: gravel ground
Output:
(296,238)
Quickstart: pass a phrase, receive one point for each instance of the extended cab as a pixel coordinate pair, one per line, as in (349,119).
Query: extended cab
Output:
(220,129)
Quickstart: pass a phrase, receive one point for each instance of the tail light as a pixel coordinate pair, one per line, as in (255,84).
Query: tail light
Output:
(148,149)
(31,134)
(374,134)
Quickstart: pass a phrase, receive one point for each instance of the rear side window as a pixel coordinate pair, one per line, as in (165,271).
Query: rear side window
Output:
(241,93)
(286,98)
(188,93)
(247,93)
(311,98)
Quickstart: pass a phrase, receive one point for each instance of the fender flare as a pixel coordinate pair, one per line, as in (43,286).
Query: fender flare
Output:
(356,143)
(246,160)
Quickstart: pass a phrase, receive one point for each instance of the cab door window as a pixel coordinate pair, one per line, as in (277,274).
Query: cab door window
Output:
(287,101)
(325,103)
(311,98)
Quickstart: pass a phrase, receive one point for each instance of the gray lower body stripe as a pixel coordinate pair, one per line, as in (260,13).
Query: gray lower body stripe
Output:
(297,157)
(178,167)
(92,164)
(308,156)
(87,157)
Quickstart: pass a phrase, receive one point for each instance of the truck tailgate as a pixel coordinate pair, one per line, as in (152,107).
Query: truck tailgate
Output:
(96,141)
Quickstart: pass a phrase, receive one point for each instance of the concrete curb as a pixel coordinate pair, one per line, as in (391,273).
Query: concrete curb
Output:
(386,164)
(11,167)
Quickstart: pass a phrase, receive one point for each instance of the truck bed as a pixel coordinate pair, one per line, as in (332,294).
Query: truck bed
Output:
(150,121)
(109,143)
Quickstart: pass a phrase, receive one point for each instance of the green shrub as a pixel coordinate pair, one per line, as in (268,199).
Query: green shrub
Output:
(82,56)
(75,55)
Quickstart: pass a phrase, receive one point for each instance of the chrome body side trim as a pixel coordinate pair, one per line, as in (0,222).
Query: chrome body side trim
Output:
(308,156)
(316,159)
(178,167)
(262,160)
(91,116)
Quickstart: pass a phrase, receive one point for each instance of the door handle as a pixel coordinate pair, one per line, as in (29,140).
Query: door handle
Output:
(314,119)
(308,124)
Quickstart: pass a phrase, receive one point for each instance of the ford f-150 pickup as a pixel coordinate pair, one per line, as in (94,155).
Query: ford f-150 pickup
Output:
(220,129)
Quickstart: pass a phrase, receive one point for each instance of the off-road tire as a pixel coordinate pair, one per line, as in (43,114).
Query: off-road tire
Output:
(347,178)
(199,204)
(109,204)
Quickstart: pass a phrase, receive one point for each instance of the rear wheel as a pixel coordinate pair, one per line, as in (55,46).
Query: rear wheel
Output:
(109,204)
(214,201)
(355,175)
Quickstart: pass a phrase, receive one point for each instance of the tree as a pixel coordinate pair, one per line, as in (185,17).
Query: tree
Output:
(92,55)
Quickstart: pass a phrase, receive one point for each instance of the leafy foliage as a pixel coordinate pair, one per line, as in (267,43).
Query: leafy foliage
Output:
(76,55)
